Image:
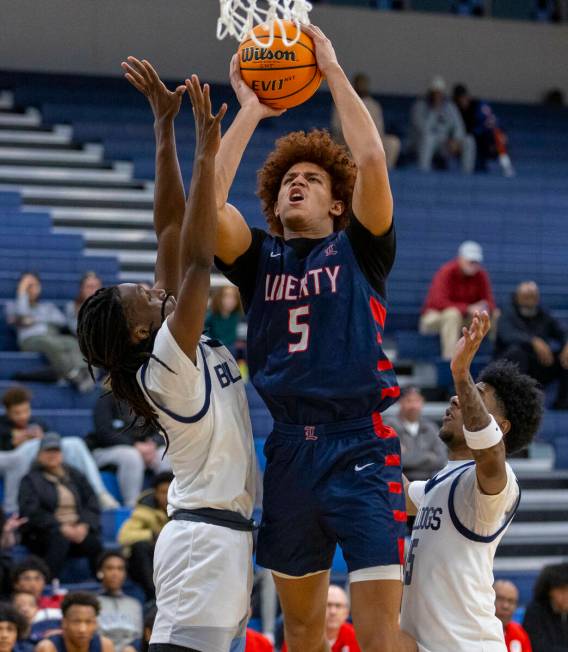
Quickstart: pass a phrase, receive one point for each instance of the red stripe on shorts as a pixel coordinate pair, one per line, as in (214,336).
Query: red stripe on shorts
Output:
(392,460)
(384,365)
(379,338)
(395,487)
(401,550)
(392,392)
(399,516)
(382,431)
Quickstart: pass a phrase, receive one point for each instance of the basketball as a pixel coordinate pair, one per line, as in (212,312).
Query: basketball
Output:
(281,76)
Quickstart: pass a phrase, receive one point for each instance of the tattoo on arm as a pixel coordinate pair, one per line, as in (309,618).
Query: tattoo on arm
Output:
(475,414)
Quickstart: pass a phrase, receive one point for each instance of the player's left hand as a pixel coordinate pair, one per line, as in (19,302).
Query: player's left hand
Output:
(325,54)
(141,74)
(469,343)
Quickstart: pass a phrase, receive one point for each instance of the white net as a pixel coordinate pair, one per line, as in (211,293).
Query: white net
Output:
(238,17)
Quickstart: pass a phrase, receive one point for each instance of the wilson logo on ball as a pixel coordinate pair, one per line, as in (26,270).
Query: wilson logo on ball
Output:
(264,54)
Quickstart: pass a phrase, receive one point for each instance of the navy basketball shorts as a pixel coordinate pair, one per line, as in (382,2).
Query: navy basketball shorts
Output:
(333,484)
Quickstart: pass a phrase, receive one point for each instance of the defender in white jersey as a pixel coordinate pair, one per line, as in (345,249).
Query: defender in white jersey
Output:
(463,511)
(187,386)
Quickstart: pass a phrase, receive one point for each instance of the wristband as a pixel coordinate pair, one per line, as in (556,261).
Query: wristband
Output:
(490,436)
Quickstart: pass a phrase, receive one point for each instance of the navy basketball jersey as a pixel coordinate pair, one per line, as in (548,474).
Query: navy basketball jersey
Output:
(315,335)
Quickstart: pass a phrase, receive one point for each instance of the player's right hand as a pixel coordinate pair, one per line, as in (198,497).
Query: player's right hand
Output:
(165,103)
(246,96)
(207,125)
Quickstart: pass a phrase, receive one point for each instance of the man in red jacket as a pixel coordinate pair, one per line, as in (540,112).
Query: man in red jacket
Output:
(506,602)
(459,288)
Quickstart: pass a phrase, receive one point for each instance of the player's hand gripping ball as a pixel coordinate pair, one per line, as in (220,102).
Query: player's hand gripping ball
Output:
(282,77)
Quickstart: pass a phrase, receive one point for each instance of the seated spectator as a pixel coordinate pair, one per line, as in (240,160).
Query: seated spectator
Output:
(468,7)
(482,124)
(31,576)
(61,508)
(90,283)
(546,617)
(506,603)
(423,453)
(530,336)
(120,618)
(391,143)
(139,533)
(20,437)
(437,130)
(38,324)
(8,529)
(547,11)
(143,644)
(339,633)
(13,628)
(459,288)
(130,448)
(225,318)
(41,622)
(79,627)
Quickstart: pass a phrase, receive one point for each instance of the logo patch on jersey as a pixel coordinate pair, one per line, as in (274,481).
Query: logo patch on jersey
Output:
(331,250)
(275,254)
(225,375)
(286,287)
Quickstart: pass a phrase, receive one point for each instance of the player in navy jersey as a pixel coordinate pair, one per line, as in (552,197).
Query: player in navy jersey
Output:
(314,291)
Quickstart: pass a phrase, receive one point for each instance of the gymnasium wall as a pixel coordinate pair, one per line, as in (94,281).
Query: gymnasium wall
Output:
(400,52)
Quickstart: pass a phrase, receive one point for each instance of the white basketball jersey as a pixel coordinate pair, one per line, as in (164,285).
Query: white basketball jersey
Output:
(203,409)
(448,600)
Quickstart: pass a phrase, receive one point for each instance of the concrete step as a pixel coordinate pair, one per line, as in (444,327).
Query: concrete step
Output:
(91,153)
(30,118)
(59,135)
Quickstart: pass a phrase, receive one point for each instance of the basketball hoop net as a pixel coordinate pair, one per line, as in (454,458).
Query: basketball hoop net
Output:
(238,17)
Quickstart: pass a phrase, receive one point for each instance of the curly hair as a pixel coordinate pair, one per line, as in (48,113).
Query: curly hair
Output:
(316,146)
(9,614)
(551,577)
(520,399)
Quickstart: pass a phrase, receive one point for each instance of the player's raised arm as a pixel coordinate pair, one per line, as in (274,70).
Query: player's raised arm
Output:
(169,195)
(482,433)
(372,197)
(199,229)
(234,235)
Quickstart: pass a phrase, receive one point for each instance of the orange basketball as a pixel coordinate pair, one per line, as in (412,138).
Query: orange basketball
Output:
(281,76)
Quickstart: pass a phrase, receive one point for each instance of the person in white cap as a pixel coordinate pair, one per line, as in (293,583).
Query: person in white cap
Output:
(459,289)
(437,129)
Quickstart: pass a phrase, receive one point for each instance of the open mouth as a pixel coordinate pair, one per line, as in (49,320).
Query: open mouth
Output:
(296,196)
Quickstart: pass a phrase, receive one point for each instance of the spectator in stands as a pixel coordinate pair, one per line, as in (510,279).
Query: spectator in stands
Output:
(132,449)
(482,124)
(530,336)
(20,437)
(391,143)
(140,532)
(41,622)
(546,617)
(423,453)
(459,288)
(142,644)
(339,633)
(547,11)
(90,283)
(506,603)
(79,627)
(38,324)
(225,317)
(62,510)
(437,130)
(120,618)
(31,576)
(13,627)
(468,7)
